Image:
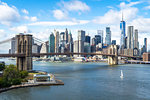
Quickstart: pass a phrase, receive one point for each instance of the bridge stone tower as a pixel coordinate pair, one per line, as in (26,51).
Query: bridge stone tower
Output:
(113,60)
(24,46)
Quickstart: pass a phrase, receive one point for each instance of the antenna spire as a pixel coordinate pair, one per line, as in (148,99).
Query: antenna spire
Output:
(122,16)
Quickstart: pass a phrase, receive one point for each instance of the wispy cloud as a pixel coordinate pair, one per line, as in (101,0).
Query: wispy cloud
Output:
(25,11)
(70,6)
(75,5)
(59,23)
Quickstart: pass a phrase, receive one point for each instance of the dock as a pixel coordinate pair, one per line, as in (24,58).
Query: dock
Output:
(136,62)
(25,85)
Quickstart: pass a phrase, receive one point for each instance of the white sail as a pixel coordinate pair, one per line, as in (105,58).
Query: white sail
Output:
(121,76)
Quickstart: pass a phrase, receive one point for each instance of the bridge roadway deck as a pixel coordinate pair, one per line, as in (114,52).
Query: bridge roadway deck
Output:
(42,54)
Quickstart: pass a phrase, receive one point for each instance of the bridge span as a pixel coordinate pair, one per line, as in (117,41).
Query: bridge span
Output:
(24,53)
(50,54)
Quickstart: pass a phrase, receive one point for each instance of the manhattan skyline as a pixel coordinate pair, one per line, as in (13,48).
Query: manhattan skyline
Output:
(42,17)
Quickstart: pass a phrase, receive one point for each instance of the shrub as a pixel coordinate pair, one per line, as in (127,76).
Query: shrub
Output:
(2,66)
(23,74)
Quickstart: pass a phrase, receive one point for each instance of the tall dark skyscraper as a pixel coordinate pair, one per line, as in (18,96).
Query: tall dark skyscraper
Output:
(70,42)
(97,39)
(114,42)
(123,34)
(94,41)
(51,43)
(88,39)
(145,44)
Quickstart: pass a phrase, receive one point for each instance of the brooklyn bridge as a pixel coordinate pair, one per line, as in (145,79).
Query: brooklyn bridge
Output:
(24,53)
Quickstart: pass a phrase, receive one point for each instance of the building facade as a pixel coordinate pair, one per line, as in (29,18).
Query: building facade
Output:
(81,39)
(123,34)
(88,39)
(100,32)
(56,41)
(13,49)
(136,44)
(108,36)
(51,43)
(66,36)
(114,42)
(97,39)
(145,44)
(130,37)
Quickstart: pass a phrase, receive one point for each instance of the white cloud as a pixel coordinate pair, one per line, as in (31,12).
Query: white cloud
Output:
(147,7)
(60,23)
(2,33)
(26,17)
(34,19)
(142,24)
(25,11)
(66,7)
(76,5)
(21,29)
(8,15)
(123,5)
(114,16)
(59,14)
(44,36)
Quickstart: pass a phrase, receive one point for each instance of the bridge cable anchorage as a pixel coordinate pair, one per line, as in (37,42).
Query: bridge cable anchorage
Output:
(5,41)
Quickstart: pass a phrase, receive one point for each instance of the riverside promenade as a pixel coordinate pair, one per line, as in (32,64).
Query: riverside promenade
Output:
(25,85)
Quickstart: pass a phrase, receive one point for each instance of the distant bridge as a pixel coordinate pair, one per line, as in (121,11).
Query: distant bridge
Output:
(24,52)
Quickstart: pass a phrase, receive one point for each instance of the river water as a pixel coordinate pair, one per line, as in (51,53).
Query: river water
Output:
(88,81)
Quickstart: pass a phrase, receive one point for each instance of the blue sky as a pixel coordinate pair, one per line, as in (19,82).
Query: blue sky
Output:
(41,17)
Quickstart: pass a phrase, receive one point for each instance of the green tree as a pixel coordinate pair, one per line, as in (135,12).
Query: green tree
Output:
(11,74)
(2,66)
(23,74)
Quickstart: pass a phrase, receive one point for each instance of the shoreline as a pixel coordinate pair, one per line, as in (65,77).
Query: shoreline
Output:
(58,82)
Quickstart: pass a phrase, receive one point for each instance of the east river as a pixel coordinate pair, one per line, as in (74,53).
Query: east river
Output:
(88,81)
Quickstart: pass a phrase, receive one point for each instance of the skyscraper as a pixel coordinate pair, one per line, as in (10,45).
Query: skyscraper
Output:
(145,44)
(52,43)
(81,39)
(123,34)
(94,41)
(88,39)
(70,41)
(66,36)
(130,37)
(97,39)
(76,47)
(56,41)
(61,39)
(100,32)
(13,45)
(114,42)
(136,39)
(108,36)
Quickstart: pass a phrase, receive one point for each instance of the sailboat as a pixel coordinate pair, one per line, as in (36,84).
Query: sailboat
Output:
(121,76)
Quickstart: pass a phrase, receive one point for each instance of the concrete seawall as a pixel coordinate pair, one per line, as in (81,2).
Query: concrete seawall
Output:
(58,82)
